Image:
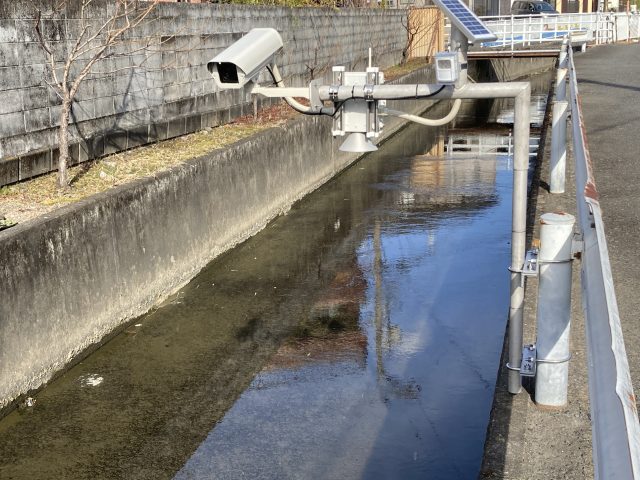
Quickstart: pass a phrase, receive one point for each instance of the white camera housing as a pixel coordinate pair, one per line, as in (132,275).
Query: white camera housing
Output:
(243,61)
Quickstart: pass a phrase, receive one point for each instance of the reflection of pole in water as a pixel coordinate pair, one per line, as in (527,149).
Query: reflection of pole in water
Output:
(390,386)
(378,305)
(431,240)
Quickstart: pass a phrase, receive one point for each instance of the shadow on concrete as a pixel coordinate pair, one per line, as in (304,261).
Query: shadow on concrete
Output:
(609,84)
(503,430)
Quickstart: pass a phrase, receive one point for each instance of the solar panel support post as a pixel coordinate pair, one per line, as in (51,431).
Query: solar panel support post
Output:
(458,43)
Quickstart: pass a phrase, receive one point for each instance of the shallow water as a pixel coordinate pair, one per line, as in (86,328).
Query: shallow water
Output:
(357,336)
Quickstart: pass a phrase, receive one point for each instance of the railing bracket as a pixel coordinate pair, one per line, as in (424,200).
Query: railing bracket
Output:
(577,245)
(530,267)
(528,363)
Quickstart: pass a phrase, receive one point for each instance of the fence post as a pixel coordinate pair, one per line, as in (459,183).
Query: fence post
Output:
(561,83)
(558,146)
(512,39)
(554,309)
(563,58)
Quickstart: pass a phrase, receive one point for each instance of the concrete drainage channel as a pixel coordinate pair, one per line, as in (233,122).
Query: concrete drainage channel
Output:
(75,277)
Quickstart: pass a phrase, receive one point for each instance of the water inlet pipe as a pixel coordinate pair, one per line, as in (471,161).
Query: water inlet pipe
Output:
(554,309)
(558,163)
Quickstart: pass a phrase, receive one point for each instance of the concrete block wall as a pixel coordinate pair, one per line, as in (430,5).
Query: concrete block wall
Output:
(165,90)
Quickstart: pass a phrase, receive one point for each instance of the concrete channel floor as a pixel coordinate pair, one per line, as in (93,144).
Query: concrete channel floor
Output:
(524,440)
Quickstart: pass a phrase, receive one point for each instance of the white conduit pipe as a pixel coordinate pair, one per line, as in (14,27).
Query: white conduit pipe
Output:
(427,121)
(292,103)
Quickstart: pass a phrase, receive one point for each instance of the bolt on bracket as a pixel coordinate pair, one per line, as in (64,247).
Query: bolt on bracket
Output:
(530,266)
(528,363)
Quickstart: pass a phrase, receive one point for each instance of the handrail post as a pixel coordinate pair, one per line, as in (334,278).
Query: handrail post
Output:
(554,309)
(512,39)
(562,59)
(558,147)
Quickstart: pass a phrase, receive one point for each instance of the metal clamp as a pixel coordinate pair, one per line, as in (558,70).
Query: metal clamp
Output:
(528,363)
(530,267)
(577,245)
(367,91)
(530,360)
(562,360)
(333,92)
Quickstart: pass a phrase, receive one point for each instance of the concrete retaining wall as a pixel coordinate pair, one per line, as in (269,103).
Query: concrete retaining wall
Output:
(164,91)
(76,275)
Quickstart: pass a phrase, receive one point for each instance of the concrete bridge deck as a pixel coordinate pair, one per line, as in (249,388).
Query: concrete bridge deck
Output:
(526,442)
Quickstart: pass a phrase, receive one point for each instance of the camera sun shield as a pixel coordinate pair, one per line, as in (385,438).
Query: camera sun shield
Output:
(243,61)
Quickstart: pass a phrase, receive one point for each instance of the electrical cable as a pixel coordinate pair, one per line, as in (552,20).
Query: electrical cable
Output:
(414,97)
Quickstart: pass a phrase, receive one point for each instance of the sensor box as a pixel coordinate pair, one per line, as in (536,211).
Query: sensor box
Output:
(447,68)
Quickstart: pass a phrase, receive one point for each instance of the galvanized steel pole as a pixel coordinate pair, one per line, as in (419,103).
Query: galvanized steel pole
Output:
(558,163)
(554,309)
(518,233)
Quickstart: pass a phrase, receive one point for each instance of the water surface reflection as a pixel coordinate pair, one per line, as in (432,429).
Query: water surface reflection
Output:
(394,375)
(358,336)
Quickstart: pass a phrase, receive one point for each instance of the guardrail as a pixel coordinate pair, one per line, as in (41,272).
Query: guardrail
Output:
(615,427)
(516,32)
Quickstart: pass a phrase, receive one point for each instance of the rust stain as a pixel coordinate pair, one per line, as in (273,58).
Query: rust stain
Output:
(632,402)
(590,190)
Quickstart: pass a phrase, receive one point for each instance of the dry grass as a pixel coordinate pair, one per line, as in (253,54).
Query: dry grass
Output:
(402,69)
(28,199)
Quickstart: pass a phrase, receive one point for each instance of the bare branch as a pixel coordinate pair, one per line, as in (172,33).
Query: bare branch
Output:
(47,49)
(90,47)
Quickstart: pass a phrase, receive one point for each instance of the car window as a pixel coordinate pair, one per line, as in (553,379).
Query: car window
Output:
(543,7)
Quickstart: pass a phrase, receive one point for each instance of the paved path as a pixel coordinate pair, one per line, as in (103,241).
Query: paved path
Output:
(524,441)
(609,82)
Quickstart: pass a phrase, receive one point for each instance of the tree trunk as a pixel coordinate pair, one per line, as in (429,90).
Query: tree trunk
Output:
(63,144)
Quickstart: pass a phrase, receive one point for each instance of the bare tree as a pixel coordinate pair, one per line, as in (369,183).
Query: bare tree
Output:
(94,43)
(417,31)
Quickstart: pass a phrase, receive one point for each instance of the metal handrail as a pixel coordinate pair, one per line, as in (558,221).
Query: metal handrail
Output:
(615,427)
(516,31)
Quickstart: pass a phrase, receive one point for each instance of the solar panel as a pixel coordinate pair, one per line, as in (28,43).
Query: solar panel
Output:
(466,21)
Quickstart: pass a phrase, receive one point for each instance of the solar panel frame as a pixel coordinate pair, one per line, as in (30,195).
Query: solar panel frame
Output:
(466,21)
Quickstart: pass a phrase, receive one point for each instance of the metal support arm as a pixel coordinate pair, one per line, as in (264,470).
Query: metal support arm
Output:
(521,92)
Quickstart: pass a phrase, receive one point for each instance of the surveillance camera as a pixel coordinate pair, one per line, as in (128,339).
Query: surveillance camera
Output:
(242,62)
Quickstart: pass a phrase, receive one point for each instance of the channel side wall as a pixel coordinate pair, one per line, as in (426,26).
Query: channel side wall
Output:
(71,278)
(143,95)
